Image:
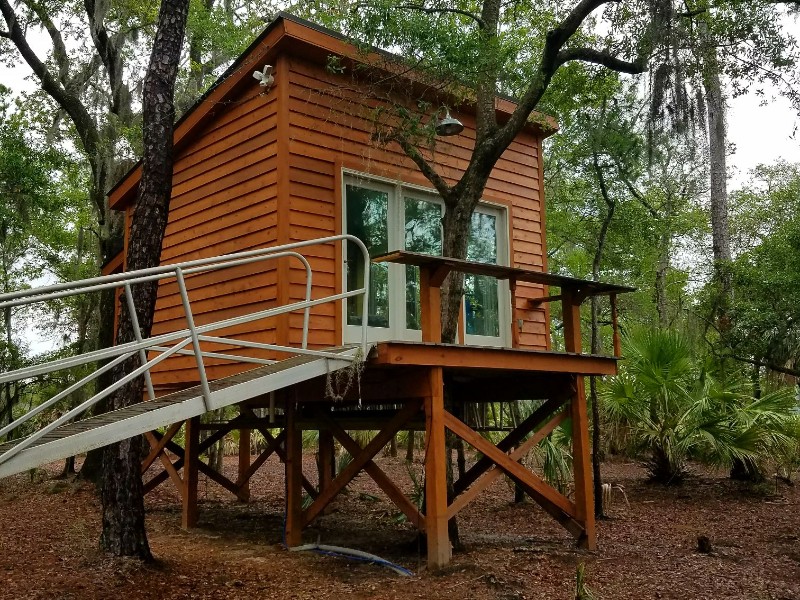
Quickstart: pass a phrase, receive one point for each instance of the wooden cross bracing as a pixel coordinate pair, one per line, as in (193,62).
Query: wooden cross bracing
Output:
(186,485)
(362,459)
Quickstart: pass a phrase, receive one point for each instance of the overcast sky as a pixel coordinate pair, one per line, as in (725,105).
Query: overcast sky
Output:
(761,134)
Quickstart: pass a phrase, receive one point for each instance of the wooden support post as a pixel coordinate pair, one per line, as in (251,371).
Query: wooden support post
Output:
(436,473)
(242,481)
(294,475)
(191,454)
(615,325)
(581,450)
(512,286)
(571,309)
(327,462)
(582,466)
(430,301)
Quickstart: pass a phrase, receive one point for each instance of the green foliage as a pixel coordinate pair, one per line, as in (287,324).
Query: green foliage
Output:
(582,591)
(43,221)
(553,458)
(673,408)
(766,275)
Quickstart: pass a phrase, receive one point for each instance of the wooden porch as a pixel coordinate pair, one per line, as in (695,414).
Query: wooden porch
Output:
(418,386)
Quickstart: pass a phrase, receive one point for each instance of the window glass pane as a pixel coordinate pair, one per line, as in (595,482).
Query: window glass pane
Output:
(423,233)
(367,219)
(481,291)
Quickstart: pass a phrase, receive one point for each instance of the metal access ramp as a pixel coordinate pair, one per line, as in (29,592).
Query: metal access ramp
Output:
(82,436)
(66,436)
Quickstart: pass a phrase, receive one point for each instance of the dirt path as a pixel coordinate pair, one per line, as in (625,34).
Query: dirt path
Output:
(49,532)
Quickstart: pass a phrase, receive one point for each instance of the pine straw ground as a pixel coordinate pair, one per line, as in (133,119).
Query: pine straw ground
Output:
(49,531)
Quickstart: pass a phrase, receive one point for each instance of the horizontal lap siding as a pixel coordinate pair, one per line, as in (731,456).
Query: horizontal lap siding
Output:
(330,125)
(224,200)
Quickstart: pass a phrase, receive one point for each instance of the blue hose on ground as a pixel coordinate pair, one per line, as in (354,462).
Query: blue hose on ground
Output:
(341,552)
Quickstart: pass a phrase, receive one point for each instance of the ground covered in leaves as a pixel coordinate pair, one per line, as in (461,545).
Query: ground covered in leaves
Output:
(49,530)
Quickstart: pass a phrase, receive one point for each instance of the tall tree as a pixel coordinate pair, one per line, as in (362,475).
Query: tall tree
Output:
(706,44)
(123,504)
(493,47)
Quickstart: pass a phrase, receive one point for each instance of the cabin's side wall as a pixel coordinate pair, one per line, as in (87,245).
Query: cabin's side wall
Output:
(224,200)
(330,129)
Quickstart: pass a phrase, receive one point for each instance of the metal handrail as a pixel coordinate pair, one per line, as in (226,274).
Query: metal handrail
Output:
(192,334)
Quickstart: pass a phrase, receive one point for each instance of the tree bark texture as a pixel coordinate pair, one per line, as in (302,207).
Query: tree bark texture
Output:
(410,445)
(596,341)
(123,504)
(717,138)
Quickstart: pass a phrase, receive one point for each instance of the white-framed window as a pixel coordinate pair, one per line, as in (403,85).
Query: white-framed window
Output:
(387,215)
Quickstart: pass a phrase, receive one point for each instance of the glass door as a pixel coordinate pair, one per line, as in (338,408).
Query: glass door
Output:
(423,233)
(485,298)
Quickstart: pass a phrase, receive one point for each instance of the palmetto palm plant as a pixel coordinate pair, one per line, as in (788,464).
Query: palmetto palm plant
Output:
(674,409)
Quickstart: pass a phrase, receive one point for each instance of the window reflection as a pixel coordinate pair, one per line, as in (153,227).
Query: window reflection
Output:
(481,291)
(423,233)
(367,219)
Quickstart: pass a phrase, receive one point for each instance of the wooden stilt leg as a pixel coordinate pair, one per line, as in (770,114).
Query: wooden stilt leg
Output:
(294,476)
(436,474)
(190,471)
(242,481)
(581,452)
(582,466)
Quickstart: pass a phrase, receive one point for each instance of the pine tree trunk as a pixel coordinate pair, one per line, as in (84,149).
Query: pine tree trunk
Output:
(662,268)
(717,142)
(121,492)
(597,345)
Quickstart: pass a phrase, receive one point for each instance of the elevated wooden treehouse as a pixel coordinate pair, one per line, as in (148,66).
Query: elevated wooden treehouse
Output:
(298,246)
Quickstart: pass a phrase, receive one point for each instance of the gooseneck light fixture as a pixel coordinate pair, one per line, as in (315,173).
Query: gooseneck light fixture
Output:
(449,125)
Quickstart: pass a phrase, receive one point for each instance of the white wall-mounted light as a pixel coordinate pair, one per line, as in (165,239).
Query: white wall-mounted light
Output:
(264,77)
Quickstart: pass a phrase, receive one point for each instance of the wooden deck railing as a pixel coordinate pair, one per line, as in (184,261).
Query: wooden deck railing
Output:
(434,269)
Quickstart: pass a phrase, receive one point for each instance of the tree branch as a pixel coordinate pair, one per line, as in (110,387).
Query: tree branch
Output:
(548,65)
(423,165)
(770,366)
(692,13)
(59,48)
(70,103)
(610,206)
(632,189)
(444,10)
(109,51)
(600,58)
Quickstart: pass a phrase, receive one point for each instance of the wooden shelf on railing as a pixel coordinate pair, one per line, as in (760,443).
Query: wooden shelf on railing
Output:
(442,265)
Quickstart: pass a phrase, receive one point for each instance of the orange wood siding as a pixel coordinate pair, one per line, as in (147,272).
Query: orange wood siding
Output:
(224,200)
(264,169)
(330,127)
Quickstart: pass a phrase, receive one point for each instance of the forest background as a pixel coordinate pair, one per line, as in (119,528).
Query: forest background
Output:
(635,194)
